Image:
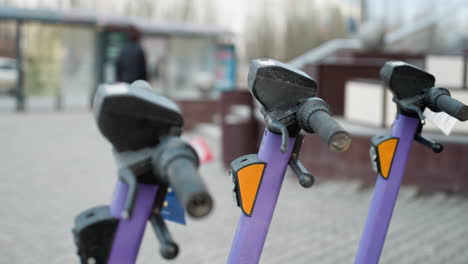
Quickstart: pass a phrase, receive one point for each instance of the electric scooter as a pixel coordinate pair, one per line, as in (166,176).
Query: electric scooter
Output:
(413,91)
(289,105)
(157,176)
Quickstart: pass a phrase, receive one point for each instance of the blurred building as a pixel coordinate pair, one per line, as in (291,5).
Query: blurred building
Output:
(7,40)
(64,55)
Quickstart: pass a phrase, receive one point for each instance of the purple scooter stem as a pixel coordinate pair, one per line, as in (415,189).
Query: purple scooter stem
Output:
(252,230)
(130,231)
(385,194)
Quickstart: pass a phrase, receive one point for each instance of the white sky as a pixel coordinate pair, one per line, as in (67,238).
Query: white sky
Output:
(233,13)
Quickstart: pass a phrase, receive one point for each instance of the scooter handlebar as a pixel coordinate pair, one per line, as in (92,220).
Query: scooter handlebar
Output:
(177,162)
(439,99)
(314,117)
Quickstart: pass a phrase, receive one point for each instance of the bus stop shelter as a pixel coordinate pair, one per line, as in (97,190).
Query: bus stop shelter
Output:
(177,53)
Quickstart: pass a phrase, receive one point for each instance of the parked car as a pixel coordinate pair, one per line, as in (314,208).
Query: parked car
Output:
(8,75)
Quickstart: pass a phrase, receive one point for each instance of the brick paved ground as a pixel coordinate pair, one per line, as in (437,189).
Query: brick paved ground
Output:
(55,165)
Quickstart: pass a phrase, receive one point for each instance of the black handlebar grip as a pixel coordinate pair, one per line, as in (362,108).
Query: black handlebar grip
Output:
(439,99)
(189,188)
(176,162)
(314,117)
(453,107)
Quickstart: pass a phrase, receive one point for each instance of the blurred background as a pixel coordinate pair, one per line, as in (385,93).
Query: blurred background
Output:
(54,54)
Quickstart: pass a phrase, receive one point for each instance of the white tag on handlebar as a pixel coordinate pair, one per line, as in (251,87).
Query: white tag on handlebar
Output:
(441,120)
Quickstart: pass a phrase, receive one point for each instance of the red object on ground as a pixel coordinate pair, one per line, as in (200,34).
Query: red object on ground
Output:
(203,150)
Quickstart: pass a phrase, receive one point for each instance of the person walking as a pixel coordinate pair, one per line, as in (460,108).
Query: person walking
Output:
(131,62)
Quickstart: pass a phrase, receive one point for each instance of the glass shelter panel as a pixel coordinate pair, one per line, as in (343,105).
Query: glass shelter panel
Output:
(190,66)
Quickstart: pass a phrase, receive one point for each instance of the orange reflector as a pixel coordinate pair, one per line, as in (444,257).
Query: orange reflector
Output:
(249,179)
(386,151)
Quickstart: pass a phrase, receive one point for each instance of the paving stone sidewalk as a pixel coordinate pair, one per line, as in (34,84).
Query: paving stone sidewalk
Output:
(55,165)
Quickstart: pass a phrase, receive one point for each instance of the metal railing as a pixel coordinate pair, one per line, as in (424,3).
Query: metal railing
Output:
(325,50)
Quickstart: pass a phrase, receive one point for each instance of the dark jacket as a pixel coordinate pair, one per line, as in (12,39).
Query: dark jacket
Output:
(131,64)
